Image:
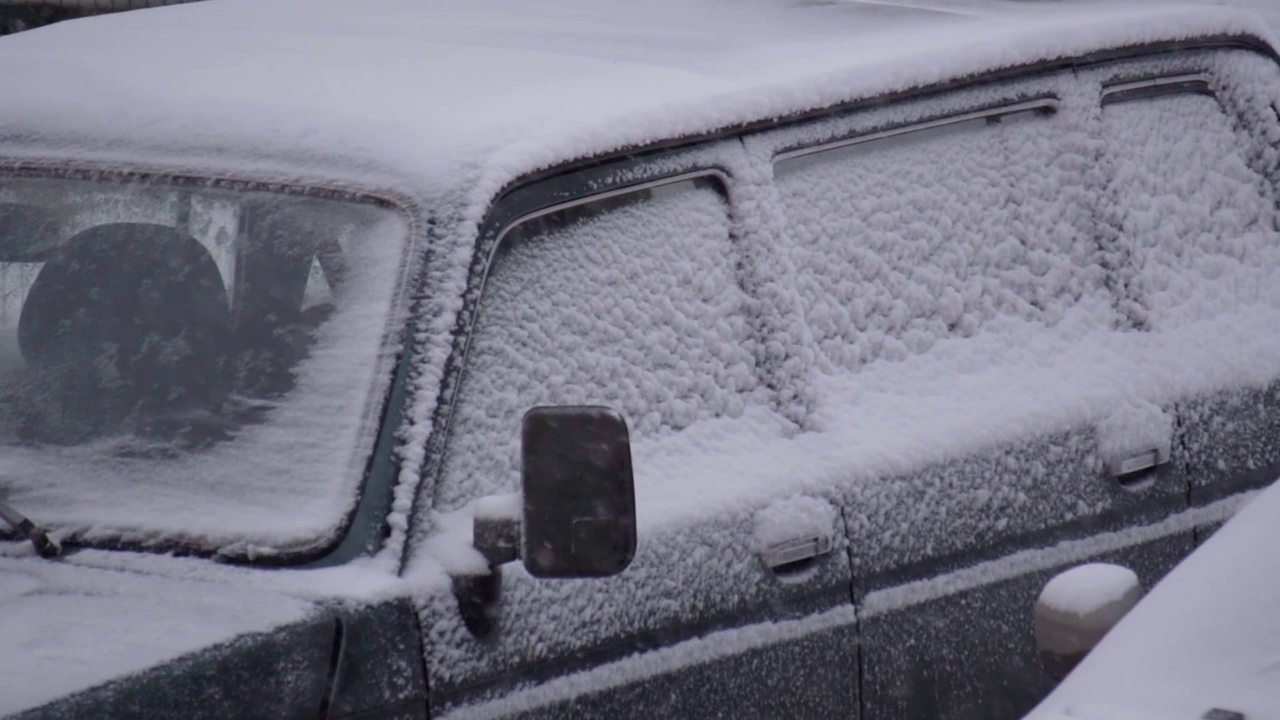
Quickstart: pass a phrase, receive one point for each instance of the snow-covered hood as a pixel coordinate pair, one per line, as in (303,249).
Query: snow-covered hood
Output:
(1207,636)
(65,628)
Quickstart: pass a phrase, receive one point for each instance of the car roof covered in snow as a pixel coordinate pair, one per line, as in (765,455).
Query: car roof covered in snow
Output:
(446,93)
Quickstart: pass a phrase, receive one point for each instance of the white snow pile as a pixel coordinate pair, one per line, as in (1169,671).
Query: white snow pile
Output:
(904,241)
(75,627)
(1269,10)
(1199,218)
(307,83)
(1085,588)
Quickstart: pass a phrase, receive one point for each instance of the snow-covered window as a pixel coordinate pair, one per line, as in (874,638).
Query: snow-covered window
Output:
(193,367)
(631,302)
(1197,224)
(926,232)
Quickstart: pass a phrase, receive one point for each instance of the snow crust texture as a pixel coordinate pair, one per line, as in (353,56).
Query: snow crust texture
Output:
(637,309)
(905,240)
(75,626)
(1194,219)
(980,313)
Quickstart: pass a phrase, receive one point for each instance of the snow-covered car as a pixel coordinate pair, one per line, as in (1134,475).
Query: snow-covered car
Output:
(1202,645)
(487,358)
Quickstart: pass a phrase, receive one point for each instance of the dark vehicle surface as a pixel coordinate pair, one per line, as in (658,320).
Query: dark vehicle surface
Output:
(593,359)
(19,15)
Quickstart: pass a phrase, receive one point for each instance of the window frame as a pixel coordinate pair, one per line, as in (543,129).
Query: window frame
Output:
(1046,105)
(531,201)
(1184,83)
(359,531)
(569,178)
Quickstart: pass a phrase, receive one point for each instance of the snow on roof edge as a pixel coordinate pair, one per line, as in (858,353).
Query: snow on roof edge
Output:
(538,156)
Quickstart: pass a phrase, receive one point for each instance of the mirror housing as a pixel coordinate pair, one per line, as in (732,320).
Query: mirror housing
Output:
(579,507)
(576,516)
(1078,607)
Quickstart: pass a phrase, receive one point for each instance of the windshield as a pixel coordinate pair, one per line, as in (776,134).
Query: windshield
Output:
(192,368)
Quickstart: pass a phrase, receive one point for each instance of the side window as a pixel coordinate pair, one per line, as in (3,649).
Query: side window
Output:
(1198,224)
(631,302)
(916,234)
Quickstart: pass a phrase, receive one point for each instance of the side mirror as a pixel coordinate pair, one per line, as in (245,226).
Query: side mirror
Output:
(576,516)
(579,493)
(1077,608)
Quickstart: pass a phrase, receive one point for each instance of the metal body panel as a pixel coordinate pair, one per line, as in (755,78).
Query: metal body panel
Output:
(797,678)
(1233,441)
(1009,498)
(379,671)
(973,655)
(679,586)
(281,674)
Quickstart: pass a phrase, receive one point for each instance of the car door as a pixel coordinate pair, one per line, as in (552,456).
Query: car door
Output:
(637,286)
(1191,142)
(946,249)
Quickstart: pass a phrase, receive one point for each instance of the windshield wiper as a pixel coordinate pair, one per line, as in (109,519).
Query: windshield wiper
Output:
(46,546)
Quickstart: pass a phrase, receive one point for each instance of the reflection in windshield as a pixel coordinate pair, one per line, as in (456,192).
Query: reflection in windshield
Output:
(229,338)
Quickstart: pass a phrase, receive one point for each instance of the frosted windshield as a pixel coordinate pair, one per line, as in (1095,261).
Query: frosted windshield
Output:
(191,367)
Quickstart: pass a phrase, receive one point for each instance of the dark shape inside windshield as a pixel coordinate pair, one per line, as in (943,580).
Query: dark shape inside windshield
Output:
(144,324)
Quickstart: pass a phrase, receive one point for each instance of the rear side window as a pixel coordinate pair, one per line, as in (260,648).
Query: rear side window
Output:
(931,231)
(631,302)
(1197,223)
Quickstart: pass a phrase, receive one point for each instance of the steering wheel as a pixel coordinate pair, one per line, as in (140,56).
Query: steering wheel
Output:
(126,321)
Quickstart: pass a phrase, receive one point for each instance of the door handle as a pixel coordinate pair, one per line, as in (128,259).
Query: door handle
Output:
(790,552)
(1133,442)
(1135,469)
(1139,462)
(791,532)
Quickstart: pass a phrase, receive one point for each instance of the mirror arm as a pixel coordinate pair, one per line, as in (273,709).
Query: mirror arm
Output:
(497,537)
(475,595)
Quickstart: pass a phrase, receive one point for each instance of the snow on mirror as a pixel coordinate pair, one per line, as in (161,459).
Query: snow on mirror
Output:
(191,367)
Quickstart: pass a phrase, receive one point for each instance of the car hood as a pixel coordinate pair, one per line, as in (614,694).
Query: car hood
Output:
(65,627)
(1207,636)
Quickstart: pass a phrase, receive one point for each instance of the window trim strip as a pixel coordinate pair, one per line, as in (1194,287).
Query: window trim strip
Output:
(1047,105)
(606,195)
(1188,83)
